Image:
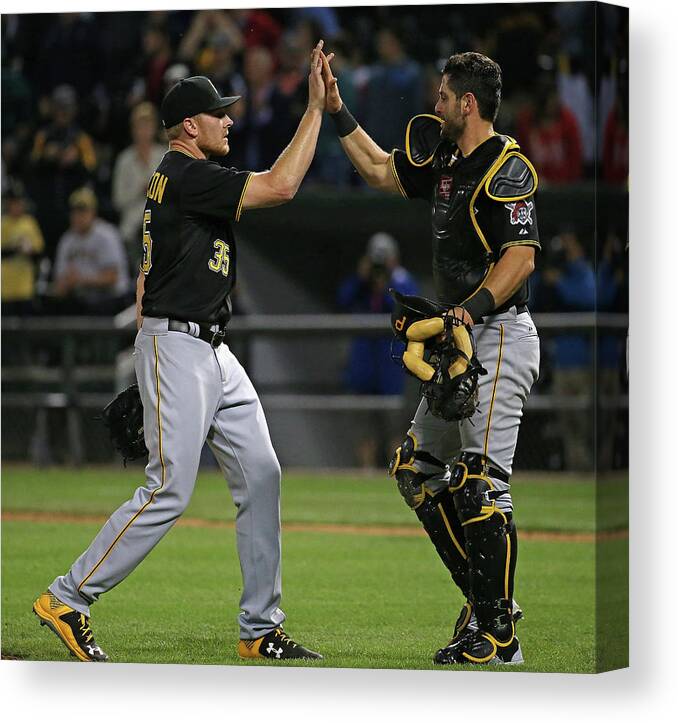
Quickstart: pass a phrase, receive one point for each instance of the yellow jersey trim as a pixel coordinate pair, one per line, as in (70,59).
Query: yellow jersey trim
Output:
(395,175)
(242,196)
(526,242)
(510,144)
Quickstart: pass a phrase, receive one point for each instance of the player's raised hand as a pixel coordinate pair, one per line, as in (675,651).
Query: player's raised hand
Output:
(316,86)
(333,102)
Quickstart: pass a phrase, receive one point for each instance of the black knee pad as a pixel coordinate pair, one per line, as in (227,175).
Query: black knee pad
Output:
(409,480)
(470,486)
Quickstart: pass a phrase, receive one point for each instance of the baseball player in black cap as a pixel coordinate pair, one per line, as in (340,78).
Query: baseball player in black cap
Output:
(192,387)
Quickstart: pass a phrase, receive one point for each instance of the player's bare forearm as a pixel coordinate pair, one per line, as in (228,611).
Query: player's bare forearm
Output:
(141,280)
(515,265)
(371,161)
(289,170)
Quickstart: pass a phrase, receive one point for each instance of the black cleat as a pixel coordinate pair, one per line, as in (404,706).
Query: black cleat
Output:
(275,646)
(480,648)
(467,620)
(70,626)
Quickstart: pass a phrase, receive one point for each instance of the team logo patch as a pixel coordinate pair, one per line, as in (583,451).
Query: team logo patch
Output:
(445,187)
(520,212)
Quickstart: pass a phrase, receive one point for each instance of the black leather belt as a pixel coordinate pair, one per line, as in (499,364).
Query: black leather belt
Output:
(522,309)
(213,338)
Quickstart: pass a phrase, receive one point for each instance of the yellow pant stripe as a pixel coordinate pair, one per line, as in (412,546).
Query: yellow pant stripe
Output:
(162,465)
(494,389)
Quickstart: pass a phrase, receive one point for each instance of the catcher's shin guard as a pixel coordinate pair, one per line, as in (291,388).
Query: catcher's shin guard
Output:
(435,511)
(491,546)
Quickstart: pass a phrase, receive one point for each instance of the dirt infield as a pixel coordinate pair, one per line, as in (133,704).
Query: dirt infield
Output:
(335,529)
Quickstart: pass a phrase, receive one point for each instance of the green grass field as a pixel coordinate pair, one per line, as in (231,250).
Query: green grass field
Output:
(363,599)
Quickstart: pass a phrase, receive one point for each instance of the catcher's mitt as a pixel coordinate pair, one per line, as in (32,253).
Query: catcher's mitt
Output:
(124,418)
(441,353)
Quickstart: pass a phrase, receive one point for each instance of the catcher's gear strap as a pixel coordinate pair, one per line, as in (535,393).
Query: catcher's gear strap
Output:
(514,180)
(422,138)
(471,465)
(411,481)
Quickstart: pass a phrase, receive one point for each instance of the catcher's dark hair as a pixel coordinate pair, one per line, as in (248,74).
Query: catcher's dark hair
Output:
(477,74)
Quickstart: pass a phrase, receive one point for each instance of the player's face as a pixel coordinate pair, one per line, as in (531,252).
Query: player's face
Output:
(448,108)
(213,131)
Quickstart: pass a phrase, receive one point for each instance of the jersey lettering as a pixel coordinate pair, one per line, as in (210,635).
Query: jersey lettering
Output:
(147,243)
(156,187)
(221,261)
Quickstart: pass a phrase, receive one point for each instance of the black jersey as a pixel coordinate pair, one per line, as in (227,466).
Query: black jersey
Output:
(475,216)
(189,245)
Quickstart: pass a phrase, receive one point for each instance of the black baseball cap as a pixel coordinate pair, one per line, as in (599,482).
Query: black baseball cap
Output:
(191,96)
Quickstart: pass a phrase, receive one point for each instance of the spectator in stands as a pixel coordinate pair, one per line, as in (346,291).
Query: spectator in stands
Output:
(258,28)
(573,284)
(133,169)
(395,91)
(91,273)
(67,53)
(157,57)
(63,159)
(211,42)
(370,369)
(549,135)
(266,125)
(22,243)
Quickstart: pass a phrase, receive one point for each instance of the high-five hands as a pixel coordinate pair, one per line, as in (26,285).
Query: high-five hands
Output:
(333,100)
(316,85)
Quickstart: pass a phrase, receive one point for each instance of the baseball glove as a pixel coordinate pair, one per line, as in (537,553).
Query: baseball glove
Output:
(124,418)
(452,391)
(441,353)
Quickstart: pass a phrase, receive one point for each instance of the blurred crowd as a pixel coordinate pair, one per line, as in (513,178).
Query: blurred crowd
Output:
(80,97)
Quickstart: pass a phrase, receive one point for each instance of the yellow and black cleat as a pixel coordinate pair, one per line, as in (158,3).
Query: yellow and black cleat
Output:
(70,626)
(275,646)
(480,648)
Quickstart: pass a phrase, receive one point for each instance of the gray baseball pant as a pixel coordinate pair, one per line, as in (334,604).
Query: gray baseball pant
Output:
(192,393)
(507,346)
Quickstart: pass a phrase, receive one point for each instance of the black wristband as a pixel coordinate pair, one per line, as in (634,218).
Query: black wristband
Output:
(344,121)
(480,304)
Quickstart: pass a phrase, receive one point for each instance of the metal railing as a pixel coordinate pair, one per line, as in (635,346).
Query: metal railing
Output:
(65,380)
